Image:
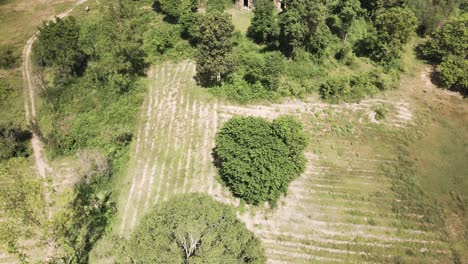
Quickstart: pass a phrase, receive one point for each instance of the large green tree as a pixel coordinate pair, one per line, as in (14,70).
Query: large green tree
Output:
(192,228)
(114,45)
(302,25)
(58,46)
(258,159)
(264,27)
(214,61)
(392,29)
(448,47)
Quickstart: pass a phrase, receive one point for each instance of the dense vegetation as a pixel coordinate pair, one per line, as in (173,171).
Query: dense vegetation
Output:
(258,159)
(192,228)
(447,48)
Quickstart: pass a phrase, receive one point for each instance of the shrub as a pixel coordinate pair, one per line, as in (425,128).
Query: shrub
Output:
(192,228)
(448,47)
(13,142)
(258,159)
(160,38)
(454,73)
(450,39)
(176,9)
(8,59)
(217,5)
(353,88)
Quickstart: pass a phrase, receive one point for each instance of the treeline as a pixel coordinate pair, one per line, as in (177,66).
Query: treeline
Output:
(301,48)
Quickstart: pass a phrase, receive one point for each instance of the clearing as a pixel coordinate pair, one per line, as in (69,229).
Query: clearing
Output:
(339,210)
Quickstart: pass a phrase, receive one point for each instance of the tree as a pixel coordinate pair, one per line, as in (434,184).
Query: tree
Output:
(453,73)
(177,8)
(302,25)
(451,39)
(395,25)
(114,45)
(192,228)
(347,12)
(264,27)
(392,29)
(373,5)
(448,48)
(258,159)
(214,62)
(21,201)
(58,46)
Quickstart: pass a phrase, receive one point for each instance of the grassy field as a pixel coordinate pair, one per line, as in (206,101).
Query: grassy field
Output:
(358,200)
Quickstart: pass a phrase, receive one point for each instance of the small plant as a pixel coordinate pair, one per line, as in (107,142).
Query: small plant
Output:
(381,112)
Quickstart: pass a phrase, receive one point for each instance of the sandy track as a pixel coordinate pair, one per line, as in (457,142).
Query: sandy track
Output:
(42,167)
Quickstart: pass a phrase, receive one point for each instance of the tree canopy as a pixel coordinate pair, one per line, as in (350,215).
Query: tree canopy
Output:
(448,48)
(264,27)
(192,228)
(177,8)
(214,62)
(58,46)
(258,159)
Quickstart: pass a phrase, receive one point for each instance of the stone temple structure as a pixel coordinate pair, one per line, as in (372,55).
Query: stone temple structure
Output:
(250,4)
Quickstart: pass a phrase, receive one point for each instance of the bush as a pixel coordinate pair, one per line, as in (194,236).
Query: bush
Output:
(8,59)
(192,228)
(160,38)
(451,39)
(217,5)
(353,88)
(13,142)
(258,159)
(448,47)
(176,9)
(454,73)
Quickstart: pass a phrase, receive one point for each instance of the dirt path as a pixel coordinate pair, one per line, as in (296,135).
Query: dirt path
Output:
(42,166)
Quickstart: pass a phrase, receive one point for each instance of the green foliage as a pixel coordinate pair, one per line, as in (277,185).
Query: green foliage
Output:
(451,39)
(302,25)
(21,201)
(13,142)
(384,43)
(214,61)
(192,228)
(264,27)
(176,9)
(258,159)
(58,46)
(448,47)
(217,5)
(373,5)
(159,39)
(8,58)
(84,220)
(114,44)
(454,73)
(432,14)
(346,13)
(353,88)
(191,26)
